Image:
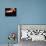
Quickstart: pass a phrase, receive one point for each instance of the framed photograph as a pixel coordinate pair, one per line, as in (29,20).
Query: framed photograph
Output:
(10,11)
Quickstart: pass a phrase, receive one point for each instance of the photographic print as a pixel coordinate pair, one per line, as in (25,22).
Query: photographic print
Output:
(10,11)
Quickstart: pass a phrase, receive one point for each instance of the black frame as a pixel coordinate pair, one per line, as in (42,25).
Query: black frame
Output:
(13,13)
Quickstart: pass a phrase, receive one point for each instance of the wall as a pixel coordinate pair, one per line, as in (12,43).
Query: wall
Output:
(28,12)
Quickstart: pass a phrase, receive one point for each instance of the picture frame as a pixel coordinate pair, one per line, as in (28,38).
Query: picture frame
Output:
(10,12)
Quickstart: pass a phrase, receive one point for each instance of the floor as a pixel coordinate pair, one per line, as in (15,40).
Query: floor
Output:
(7,45)
(30,43)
